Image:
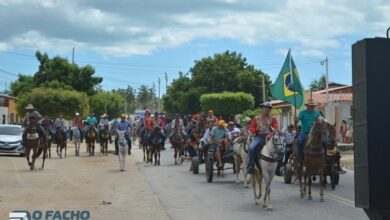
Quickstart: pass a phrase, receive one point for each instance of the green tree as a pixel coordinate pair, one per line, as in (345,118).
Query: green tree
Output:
(130,95)
(145,97)
(22,85)
(58,68)
(52,102)
(108,102)
(319,84)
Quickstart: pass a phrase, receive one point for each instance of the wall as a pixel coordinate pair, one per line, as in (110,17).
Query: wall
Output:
(336,112)
(4,115)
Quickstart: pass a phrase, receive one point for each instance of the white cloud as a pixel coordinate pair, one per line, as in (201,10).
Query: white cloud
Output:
(126,28)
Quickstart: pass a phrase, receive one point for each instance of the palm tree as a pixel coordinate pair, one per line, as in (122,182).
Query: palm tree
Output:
(317,85)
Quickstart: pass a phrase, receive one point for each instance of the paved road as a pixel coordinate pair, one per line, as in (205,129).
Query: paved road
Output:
(187,196)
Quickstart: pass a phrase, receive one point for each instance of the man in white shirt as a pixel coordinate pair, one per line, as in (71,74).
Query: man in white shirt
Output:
(289,137)
(233,131)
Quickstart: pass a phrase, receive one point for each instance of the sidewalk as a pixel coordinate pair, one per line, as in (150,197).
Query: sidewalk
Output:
(78,183)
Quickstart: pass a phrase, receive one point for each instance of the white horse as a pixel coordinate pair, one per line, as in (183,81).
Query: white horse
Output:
(241,145)
(122,148)
(76,137)
(271,153)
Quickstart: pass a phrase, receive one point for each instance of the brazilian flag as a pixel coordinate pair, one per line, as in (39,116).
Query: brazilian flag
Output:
(287,85)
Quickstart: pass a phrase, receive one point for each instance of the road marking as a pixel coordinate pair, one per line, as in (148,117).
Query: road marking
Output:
(328,195)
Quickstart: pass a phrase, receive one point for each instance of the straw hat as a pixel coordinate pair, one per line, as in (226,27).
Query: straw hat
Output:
(104,115)
(30,106)
(123,116)
(310,102)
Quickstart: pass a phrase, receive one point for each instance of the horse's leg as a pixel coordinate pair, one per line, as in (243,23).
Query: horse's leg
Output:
(238,165)
(44,149)
(175,155)
(49,148)
(254,185)
(93,148)
(65,146)
(309,189)
(33,158)
(299,176)
(321,171)
(28,156)
(244,171)
(159,151)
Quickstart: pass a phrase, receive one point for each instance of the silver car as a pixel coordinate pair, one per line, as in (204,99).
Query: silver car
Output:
(11,139)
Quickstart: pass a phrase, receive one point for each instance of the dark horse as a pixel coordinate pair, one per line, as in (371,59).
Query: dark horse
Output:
(314,157)
(104,136)
(35,139)
(145,144)
(177,142)
(49,141)
(155,147)
(61,142)
(90,139)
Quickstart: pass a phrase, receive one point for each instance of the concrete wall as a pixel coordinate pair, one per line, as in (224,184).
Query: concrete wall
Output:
(4,115)
(336,112)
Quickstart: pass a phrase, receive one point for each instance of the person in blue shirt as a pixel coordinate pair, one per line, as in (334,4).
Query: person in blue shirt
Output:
(123,125)
(91,121)
(307,118)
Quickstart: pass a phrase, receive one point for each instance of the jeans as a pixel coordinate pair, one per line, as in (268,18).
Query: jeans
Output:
(257,141)
(301,143)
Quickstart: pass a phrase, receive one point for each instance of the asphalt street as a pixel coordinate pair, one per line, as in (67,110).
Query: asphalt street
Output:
(184,195)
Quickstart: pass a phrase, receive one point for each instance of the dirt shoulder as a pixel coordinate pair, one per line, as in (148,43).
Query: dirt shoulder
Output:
(78,183)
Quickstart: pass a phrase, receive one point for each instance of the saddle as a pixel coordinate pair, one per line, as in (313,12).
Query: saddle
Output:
(32,136)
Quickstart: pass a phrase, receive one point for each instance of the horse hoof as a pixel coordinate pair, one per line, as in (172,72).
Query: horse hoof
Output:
(310,198)
(31,167)
(237,182)
(256,203)
(322,200)
(264,206)
(246,187)
(270,209)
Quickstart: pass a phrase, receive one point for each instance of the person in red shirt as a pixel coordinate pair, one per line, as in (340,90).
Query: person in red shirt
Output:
(262,127)
(211,116)
(156,122)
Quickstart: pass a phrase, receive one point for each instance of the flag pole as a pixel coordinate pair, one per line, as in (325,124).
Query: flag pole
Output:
(292,83)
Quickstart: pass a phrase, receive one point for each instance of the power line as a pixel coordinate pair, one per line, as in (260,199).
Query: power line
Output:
(9,73)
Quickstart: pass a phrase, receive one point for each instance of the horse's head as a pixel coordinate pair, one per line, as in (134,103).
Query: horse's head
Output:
(329,136)
(121,138)
(278,145)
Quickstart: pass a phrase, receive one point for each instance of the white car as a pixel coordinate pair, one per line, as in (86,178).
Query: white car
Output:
(11,140)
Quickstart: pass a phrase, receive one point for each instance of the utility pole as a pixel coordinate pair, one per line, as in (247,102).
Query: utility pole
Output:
(166,82)
(158,104)
(326,61)
(263,85)
(153,96)
(73,56)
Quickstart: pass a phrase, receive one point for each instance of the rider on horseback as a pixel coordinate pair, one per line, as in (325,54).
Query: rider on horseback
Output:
(59,124)
(177,123)
(218,136)
(91,121)
(144,123)
(261,127)
(156,122)
(125,126)
(31,120)
(78,122)
(104,122)
(211,116)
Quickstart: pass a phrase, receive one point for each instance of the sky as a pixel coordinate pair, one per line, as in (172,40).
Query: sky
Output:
(135,42)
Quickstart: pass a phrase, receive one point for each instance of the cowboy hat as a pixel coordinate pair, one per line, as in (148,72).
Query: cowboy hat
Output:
(266,104)
(104,115)
(77,114)
(123,115)
(30,106)
(310,102)
(230,123)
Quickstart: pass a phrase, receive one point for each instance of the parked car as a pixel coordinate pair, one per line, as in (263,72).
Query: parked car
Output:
(11,140)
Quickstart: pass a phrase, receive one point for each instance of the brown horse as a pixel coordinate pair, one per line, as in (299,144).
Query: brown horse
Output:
(104,140)
(155,147)
(145,144)
(61,142)
(90,139)
(177,142)
(49,141)
(314,158)
(35,142)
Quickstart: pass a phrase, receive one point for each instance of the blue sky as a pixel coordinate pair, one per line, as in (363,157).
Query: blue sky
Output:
(134,42)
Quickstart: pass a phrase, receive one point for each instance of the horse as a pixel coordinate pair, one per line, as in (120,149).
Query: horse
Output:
(155,147)
(177,142)
(240,148)
(314,158)
(90,139)
(122,149)
(144,143)
(49,141)
(104,136)
(134,133)
(270,154)
(61,142)
(76,137)
(36,143)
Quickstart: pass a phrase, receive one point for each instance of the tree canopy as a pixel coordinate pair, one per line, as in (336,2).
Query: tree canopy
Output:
(319,84)
(108,102)
(226,71)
